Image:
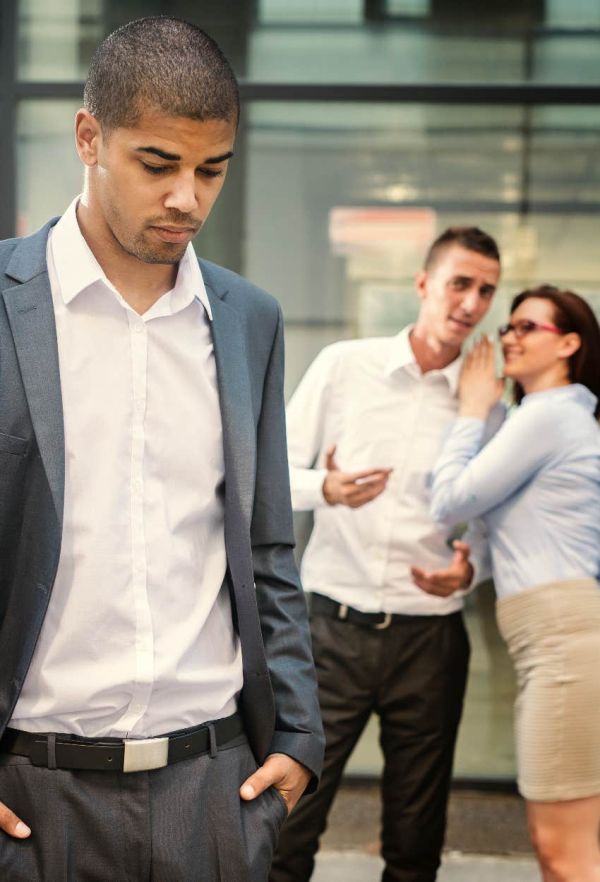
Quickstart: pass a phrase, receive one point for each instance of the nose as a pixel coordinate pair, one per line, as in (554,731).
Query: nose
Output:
(470,301)
(182,194)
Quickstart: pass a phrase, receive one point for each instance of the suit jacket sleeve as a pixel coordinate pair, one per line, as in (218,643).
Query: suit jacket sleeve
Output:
(280,599)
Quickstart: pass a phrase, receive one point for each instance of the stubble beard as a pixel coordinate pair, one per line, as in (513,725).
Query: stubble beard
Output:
(168,254)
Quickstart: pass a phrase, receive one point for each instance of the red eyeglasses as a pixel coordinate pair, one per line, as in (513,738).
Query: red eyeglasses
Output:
(526,326)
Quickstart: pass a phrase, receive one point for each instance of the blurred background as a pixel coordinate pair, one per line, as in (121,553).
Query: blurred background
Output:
(367,127)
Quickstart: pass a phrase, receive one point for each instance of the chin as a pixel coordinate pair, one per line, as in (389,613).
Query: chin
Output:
(168,255)
(515,376)
(456,340)
(511,370)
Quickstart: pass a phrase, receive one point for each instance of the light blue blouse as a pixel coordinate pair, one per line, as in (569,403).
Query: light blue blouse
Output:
(536,484)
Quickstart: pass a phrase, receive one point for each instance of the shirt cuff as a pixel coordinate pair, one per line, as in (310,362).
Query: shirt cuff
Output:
(307,488)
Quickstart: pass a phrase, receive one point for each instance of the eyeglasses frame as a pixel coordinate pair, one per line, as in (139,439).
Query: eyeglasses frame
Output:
(505,329)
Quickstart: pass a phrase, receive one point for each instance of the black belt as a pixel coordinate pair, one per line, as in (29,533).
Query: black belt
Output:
(59,751)
(325,606)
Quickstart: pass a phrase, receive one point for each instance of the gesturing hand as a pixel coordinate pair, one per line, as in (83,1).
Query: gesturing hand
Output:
(479,389)
(443,583)
(281,771)
(352,488)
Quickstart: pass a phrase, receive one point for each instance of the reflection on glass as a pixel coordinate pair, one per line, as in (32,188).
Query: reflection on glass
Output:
(407,7)
(309,11)
(345,177)
(386,53)
(57,37)
(49,173)
(572,14)
(531,177)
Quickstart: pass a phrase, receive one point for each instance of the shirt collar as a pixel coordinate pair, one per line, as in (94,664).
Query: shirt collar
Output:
(402,356)
(76,269)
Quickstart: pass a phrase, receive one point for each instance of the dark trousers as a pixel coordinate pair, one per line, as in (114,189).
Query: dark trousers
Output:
(183,823)
(413,676)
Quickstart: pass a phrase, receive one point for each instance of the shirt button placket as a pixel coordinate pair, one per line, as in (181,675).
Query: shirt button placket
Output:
(144,650)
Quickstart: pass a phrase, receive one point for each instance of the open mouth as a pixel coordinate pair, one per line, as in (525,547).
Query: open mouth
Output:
(461,323)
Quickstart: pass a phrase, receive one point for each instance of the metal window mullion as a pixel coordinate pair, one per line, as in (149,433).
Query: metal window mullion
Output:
(529,94)
(8,178)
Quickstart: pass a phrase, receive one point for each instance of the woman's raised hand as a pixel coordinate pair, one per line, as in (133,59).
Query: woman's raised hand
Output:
(479,388)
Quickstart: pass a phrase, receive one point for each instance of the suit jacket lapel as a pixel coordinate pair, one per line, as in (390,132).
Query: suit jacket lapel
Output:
(31,317)
(236,404)
(239,444)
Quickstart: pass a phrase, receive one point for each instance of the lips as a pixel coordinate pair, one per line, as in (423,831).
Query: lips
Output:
(463,324)
(174,234)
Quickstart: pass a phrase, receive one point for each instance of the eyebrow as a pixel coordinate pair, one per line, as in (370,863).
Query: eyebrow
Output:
(174,157)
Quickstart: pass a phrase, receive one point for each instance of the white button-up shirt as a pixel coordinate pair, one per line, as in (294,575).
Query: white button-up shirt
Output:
(371,399)
(138,638)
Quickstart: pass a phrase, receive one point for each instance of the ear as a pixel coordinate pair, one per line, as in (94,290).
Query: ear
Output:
(421,284)
(88,137)
(569,344)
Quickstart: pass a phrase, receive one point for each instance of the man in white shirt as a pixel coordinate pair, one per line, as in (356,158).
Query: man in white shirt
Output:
(158,706)
(365,427)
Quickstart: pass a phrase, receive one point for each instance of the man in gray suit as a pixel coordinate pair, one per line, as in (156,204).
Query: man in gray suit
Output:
(157,695)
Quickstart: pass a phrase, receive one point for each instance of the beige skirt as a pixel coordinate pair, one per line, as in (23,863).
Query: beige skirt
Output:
(553,636)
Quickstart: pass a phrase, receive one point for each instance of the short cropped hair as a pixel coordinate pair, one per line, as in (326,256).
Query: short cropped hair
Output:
(164,64)
(470,238)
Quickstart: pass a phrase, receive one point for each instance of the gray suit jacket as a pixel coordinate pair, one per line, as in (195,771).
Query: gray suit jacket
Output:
(279,700)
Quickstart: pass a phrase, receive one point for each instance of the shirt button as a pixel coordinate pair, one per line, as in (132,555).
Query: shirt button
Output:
(137,329)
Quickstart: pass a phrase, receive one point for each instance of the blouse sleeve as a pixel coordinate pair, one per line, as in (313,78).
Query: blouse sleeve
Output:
(469,481)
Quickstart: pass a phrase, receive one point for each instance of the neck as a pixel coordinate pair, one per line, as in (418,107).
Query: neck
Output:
(431,354)
(541,384)
(139,284)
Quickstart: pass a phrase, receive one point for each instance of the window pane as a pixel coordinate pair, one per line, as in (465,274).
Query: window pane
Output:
(573,13)
(529,177)
(311,11)
(56,38)
(380,54)
(333,205)
(49,173)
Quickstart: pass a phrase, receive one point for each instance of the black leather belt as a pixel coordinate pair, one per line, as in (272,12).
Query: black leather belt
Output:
(325,606)
(59,751)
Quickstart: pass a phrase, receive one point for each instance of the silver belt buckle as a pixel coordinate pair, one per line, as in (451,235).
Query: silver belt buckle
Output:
(143,754)
(385,624)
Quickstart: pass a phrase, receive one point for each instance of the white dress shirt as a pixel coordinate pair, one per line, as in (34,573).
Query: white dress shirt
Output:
(536,484)
(138,638)
(370,398)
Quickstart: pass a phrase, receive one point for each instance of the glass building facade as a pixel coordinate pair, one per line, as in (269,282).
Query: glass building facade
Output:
(367,126)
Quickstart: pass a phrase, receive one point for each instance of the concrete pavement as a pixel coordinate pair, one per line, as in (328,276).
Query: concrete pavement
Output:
(349,866)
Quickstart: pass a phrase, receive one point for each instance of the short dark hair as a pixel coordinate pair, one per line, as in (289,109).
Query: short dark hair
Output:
(571,313)
(471,238)
(161,63)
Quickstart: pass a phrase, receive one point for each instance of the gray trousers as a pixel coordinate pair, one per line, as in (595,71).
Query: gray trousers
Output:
(183,823)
